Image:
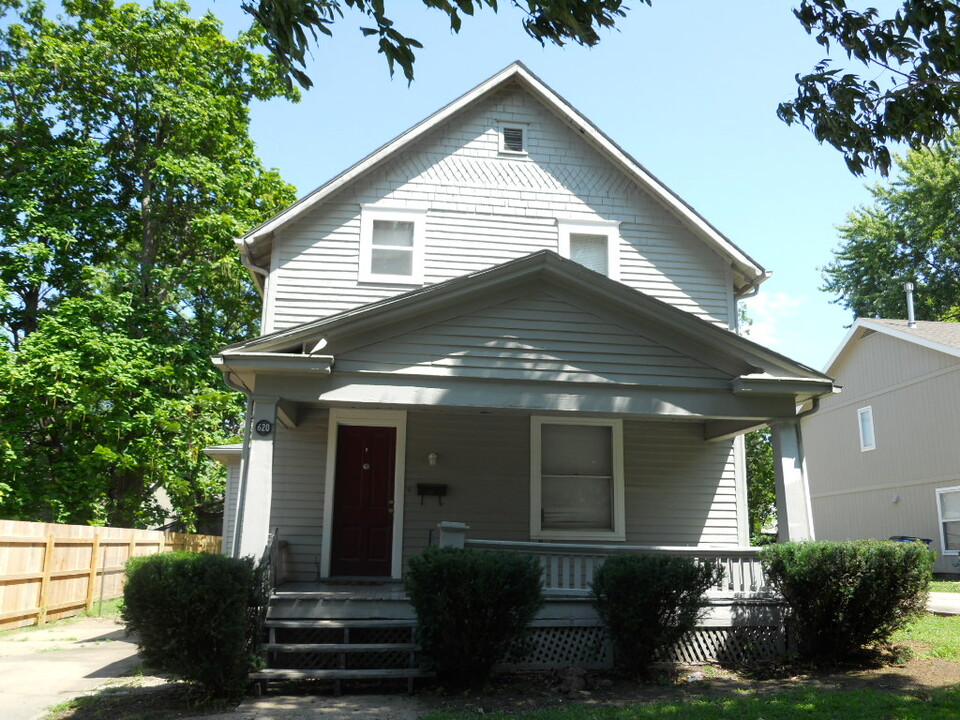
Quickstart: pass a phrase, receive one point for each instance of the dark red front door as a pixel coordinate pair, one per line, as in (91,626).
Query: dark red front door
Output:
(362,538)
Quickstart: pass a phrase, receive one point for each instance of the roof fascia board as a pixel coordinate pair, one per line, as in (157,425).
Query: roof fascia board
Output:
(749,268)
(863,324)
(407,137)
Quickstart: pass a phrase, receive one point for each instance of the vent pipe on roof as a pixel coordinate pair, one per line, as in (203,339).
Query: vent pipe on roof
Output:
(908,288)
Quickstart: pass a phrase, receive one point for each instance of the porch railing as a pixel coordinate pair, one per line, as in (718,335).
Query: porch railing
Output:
(568,568)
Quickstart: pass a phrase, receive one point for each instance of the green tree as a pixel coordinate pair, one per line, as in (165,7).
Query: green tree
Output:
(96,421)
(911,232)
(290,25)
(761,484)
(909,91)
(128,171)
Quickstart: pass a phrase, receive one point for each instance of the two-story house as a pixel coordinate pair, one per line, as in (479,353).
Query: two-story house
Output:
(501,319)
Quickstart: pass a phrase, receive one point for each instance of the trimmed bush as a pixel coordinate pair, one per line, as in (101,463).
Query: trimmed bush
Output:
(649,602)
(845,595)
(473,607)
(196,617)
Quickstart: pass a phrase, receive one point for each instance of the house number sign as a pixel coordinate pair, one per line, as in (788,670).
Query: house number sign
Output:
(264,427)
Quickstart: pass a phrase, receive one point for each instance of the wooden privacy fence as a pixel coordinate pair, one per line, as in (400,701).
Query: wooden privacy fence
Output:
(50,571)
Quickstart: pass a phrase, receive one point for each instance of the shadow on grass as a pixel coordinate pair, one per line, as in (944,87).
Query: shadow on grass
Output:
(134,702)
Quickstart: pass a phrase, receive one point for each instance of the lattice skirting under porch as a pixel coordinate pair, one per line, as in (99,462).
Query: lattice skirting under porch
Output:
(589,647)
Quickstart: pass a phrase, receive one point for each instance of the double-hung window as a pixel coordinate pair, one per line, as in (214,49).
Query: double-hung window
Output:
(948,509)
(576,479)
(391,245)
(595,245)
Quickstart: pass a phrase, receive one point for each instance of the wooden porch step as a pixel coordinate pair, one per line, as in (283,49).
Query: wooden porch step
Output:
(340,647)
(384,674)
(364,623)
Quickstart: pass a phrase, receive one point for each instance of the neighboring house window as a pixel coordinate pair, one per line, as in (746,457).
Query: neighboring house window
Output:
(593,245)
(576,479)
(513,139)
(948,507)
(865,420)
(391,245)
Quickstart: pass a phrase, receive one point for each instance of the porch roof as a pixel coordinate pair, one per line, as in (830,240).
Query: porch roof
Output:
(538,333)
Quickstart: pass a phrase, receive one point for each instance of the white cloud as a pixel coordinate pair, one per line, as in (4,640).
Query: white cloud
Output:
(774,317)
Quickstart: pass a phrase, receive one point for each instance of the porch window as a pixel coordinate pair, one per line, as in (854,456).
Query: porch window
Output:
(595,245)
(576,479)
(948,508)
(391,245)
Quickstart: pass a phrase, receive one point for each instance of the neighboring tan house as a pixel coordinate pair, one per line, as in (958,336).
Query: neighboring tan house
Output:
(883,456)
(501,320)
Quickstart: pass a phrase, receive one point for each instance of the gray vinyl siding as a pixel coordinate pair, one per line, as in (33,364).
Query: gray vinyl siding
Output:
(679,490)
(539,336)
(299,470)
(912,391)
(234,466)
(485,209)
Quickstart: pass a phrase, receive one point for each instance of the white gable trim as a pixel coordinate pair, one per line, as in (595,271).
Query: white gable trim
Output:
(862,325)
(752,272)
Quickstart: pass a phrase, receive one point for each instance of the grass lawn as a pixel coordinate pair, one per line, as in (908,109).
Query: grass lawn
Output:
(109,609)
(949,586)
(936,636)
(811,704)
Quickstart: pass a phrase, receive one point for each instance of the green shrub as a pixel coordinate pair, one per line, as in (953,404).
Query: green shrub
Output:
(649,602)
(845,595)
(196,617)
(473,607)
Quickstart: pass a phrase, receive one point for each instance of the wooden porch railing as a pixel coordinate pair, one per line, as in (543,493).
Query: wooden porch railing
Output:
(568,568)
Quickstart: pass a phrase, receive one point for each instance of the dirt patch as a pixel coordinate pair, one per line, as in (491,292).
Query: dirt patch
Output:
(519,692)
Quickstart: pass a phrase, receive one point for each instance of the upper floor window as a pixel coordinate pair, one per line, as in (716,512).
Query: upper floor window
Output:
(595,245)
(948,508)
(868,439)
(391,245)
(576,482)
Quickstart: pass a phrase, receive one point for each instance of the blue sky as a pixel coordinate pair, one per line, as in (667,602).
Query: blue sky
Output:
(688,87)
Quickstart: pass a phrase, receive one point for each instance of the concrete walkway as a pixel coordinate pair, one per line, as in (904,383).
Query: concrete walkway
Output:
(41,667)
(944,603)
(344,707)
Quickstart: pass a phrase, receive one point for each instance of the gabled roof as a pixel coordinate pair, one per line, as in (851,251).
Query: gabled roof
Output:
(940,336)
(752,368)
(747,272)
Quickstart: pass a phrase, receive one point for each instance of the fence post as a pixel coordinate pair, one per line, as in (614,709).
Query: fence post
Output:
(45,581)
(92,577)
(452,534)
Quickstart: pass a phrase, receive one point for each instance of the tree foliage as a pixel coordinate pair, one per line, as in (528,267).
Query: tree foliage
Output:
(911,232)
(909,91)
(126,169)
(290,25)
(761,483)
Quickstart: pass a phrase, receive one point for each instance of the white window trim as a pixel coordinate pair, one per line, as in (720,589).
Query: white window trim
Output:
(419,219)
(943,535)
(866,443)
(619,524)
(367,418)
(566,228)
(523,127)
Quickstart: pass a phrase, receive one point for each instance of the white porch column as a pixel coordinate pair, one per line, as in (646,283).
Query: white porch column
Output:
(256,484)
(794,519)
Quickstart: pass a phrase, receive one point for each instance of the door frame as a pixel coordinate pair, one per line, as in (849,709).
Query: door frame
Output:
(365,418)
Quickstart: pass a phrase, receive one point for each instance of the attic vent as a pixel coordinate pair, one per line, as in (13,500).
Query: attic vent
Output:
(513,139)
